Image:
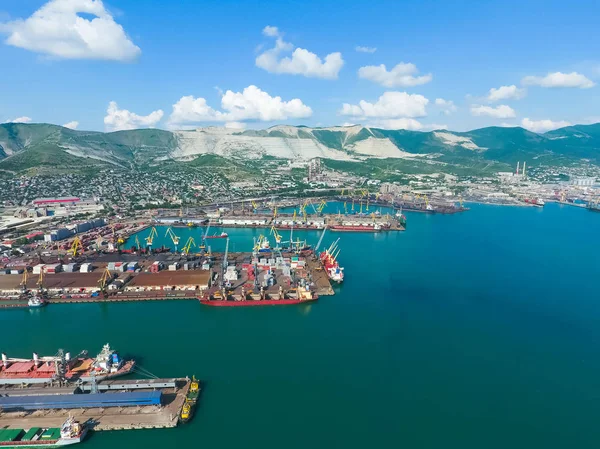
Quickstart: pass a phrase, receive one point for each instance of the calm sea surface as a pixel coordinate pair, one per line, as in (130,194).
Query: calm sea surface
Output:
(478,330)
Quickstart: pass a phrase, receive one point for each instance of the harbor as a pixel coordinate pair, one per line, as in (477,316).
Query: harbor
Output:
(55,400)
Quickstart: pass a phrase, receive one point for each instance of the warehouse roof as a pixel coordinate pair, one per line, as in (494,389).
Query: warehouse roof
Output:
(180,277)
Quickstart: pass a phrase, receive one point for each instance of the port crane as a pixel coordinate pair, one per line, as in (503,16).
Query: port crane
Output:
(104,281)
(40,281)
(225,261)
(173,236)
(322,206)
(320,241)
(138,245)
(203,242)
(188,245)
(76,247)
(150,238)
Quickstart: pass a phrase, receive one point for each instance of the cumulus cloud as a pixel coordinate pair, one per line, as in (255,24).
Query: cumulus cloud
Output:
(250,104)
(390,105)
(71,125)
(301,62)
(501,111)
(559,79)
(540,126)
(505,93)
(121,119)
(23,119)
(447,106)
(403,75)
(362,49)
(58,29)
(397,123)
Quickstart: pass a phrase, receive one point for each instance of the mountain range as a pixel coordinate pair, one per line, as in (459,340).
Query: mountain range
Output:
(25,146)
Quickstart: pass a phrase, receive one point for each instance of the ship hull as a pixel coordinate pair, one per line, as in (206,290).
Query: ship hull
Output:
(354,229)
(251,303)
(45,378)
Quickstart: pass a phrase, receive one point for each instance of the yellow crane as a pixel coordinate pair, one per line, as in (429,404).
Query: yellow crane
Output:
(76,247)
(254,205)
(138,246)
(24,281)
(104,280)
(188,245)
(276,234)
(322,206)
(40,281)
(173,236)
(151,236)
(345,207)
(275,213)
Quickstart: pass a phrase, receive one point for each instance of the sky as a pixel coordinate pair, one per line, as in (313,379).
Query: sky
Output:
(461,65)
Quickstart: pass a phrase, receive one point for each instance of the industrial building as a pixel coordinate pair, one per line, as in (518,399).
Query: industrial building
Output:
(169,280)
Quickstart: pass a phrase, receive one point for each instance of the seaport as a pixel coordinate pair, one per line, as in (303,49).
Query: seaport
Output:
(54,400)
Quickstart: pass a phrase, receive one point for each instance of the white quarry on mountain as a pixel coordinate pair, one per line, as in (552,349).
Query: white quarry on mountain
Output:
(300,143)
(448,138)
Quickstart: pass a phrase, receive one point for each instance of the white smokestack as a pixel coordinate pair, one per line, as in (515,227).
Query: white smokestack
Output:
(4,360)
(36,359)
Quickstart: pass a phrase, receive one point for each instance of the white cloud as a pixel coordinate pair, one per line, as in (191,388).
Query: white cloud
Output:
(58,29)
(506,93)
(389,105)
(271,31)
(362,49)
(301,62)
(23,119)
(235,125)
(447,106)
(251,104)
(559,79)
(71,125)
(121,119)
(397,123)
(403,75)
(540,126)
(501,111)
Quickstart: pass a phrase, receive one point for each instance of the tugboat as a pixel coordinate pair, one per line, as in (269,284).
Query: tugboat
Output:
(34,299)
(191,398)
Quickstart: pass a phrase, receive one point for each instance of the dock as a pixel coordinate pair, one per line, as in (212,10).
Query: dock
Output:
(165,415)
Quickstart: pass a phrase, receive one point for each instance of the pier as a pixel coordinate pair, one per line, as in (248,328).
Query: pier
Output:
(165,415)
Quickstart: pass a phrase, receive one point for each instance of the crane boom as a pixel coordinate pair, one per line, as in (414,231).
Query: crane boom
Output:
(320,239)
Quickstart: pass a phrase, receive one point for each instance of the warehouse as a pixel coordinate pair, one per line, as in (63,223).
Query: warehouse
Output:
(78,401)
(170,280)
(10,284)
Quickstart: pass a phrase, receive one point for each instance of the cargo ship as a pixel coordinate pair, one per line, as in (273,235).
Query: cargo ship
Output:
(537,202)
(222,235)
(357,228)
(107,364)
(191,398)
(71,432)
(329,260)
(299,295)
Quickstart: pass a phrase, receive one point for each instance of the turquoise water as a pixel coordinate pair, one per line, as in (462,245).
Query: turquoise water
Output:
(477,330)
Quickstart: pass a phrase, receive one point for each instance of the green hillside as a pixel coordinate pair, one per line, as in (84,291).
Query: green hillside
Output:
(24,147)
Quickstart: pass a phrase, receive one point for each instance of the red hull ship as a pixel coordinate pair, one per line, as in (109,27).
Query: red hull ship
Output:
(223,235)
(357,228)
(254,302)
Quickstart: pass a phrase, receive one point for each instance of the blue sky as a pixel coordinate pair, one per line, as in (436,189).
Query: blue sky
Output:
(147,56)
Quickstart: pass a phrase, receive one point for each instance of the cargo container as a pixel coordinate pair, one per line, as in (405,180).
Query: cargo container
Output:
(71,268)
(19,271)
(37,269)
(174,266)
(156,267)
(85,268)
(53,268)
